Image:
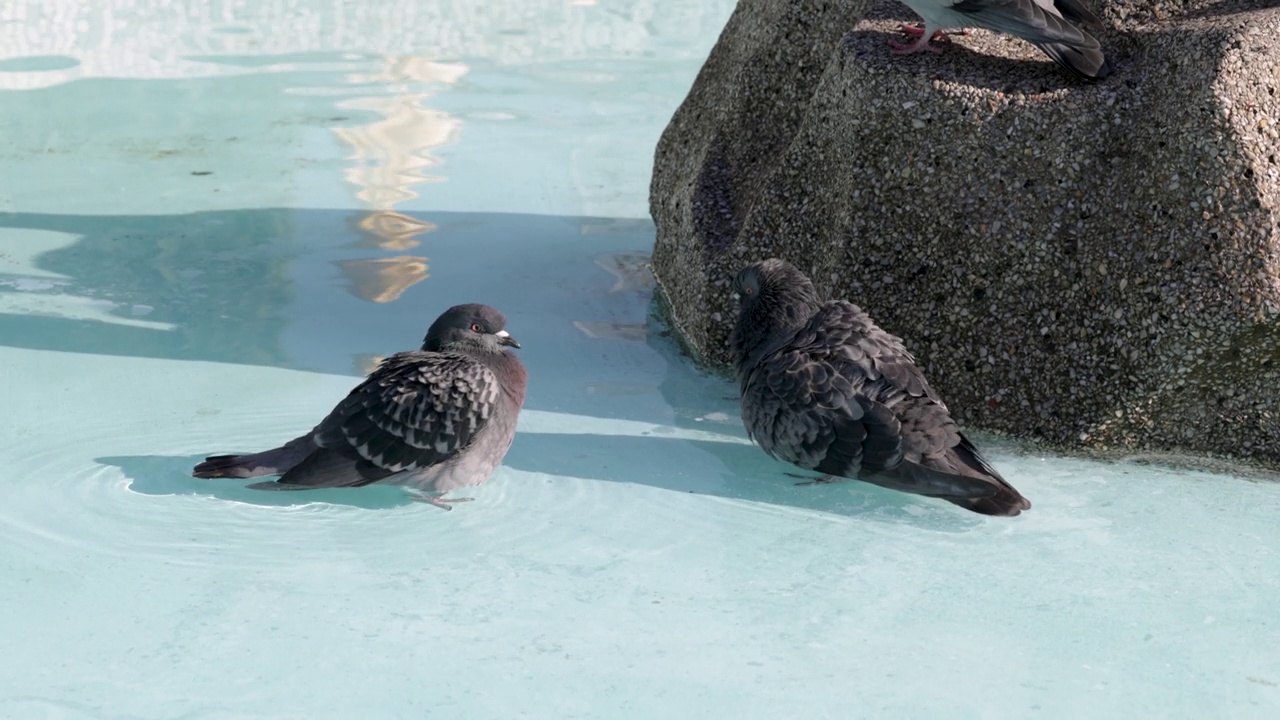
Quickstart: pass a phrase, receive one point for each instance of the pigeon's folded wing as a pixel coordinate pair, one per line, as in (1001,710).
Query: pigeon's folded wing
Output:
(1034,20)
(417,409)
(828,400)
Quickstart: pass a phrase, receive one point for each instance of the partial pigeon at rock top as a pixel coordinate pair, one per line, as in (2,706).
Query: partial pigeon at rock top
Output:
(432,420)
(824,388)
(1047,24)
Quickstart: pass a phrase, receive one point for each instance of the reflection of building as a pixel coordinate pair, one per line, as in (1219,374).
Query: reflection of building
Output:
(381,280)
(391,230)
(390,156)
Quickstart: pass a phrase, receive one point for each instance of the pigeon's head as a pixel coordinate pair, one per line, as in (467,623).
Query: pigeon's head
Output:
(774,300)
(771,283)
(469,328)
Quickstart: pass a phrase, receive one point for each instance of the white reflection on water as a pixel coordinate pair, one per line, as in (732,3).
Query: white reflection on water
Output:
(389,157)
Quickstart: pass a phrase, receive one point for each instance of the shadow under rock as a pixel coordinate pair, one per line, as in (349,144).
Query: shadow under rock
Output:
(298,288)
(171,475)
(736,471)
(739,472)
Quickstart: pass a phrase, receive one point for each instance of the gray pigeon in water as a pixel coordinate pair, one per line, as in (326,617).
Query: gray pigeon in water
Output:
(824,388)
(1047,24)
(432,420)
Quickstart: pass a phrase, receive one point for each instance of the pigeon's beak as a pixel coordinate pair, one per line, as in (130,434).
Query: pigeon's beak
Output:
(504,338)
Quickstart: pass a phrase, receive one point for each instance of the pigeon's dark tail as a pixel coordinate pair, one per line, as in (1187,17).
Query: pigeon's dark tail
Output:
(1006,502)
(268,462)
(218,466)
(1086,62)
(969,492)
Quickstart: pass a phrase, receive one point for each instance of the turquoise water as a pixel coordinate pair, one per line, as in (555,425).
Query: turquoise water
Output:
(215,216)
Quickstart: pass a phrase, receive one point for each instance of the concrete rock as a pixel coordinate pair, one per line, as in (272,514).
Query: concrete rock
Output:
(1095,265)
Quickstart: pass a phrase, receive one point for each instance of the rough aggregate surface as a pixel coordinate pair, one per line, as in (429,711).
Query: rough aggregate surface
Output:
(1093,265)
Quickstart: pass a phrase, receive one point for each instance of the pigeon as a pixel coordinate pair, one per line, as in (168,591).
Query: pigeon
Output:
(1047,24)
(825,389)
(430,420)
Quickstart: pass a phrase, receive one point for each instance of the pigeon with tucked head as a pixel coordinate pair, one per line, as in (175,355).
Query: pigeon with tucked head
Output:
(824,388)
(432,420)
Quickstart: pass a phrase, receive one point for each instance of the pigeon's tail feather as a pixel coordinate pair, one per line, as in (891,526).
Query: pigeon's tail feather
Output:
(327,468)
(919,480)
(268,462)
(1087,62)
(220,466)
(1006,502)
(276,485)
(989,495)
(1002,499)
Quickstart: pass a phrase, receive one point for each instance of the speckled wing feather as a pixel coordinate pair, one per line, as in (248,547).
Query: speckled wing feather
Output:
(845,398)
(806,403)
(416,410)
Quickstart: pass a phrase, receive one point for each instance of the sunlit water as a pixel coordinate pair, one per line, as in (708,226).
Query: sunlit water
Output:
(217,215)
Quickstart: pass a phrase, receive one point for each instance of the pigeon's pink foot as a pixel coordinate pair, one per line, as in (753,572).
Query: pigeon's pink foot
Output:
(940,35)
(922,42)
(442,503)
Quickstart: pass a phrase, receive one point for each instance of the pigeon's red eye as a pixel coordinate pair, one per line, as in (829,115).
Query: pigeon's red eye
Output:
(475,327)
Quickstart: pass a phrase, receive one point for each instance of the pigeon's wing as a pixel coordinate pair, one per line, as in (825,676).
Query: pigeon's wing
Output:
(882,374)
(932,456)
(417,409)
(804,410)
(845,398)
(1037,21)
(806,403)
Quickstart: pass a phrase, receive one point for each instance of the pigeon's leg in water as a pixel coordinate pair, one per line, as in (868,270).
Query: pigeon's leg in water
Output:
(442,503)
(808,480)
(923,35)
